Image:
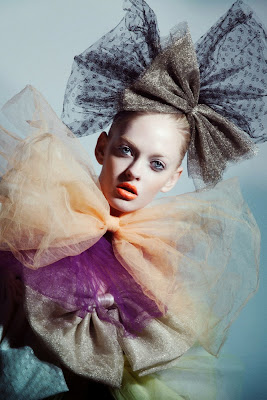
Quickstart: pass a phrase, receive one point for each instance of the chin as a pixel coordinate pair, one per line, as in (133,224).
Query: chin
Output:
(120,206)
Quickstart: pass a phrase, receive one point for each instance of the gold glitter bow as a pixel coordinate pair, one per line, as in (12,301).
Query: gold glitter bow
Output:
(171,84)
(222,90)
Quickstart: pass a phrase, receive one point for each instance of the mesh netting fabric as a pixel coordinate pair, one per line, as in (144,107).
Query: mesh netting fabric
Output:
(232,63)
(220,84)
(101,73)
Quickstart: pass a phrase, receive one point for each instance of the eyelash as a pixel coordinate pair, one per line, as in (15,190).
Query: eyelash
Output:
(159,163)
(122,148)
(156,165)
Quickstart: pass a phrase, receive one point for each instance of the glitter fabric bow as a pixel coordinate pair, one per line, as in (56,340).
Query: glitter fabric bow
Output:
(181,250)
(220,85)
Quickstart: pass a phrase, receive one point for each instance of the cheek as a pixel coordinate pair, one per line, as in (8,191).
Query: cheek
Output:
(156,183)
(159,181)
(112,168)
(152,187)
(118,165)
(107,169)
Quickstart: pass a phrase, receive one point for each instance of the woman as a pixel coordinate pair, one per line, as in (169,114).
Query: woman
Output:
(60,239)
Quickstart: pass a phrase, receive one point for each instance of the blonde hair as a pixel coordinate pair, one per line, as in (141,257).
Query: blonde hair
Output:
(122,118)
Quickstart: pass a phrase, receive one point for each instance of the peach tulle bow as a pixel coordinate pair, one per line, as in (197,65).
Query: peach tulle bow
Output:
(184,251)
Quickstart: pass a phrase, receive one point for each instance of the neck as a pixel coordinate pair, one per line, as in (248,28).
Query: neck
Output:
(115,213)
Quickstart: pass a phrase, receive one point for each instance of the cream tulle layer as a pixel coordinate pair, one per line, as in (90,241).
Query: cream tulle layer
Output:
(195,255)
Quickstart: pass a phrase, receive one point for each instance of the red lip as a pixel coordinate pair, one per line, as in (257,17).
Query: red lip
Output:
(127,191)
(128,186)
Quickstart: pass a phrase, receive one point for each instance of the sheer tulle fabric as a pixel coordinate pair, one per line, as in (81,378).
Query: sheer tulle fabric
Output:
(195,255)
(64,308)
(101,73)
(220,84)
(78,283)
(171,84)
(195,376)
(232,64)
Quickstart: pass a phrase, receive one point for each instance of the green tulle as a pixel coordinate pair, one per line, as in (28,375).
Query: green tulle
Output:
(196,376)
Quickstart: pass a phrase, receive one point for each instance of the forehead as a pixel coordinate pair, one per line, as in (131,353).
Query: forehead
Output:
(158,131)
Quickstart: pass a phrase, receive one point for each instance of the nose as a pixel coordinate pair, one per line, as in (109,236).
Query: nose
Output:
(134,171)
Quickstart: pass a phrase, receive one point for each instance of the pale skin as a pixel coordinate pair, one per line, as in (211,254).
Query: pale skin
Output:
(138,161)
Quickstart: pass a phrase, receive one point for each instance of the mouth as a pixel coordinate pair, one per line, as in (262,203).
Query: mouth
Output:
(127,191)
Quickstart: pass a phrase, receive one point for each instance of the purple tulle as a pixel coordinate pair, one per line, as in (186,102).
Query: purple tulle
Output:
(79,284)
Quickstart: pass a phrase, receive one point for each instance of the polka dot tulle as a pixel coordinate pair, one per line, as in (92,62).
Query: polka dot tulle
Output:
(233,70)
(232,64)
(102,72)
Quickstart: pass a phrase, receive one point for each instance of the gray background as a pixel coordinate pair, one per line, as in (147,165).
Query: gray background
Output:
(38,40)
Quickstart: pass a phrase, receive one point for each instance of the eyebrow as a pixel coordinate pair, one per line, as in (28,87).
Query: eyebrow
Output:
(129,142)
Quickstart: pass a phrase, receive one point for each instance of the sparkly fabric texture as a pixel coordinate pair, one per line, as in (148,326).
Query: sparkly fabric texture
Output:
(195,255)
(88,346)
(159,345)
(94,348)
(221,86)
(171,83)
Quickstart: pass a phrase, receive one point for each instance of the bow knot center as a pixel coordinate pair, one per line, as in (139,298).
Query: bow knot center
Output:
(106,300)
(113,224)
(192,110)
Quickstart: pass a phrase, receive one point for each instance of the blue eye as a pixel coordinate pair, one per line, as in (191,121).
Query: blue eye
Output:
(157,165)
(125,150)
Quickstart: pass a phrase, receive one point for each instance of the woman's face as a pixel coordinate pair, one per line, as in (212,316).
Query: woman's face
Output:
(139,159)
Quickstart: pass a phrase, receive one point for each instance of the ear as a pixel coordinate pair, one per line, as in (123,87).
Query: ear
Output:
(100,147)
(172,180)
